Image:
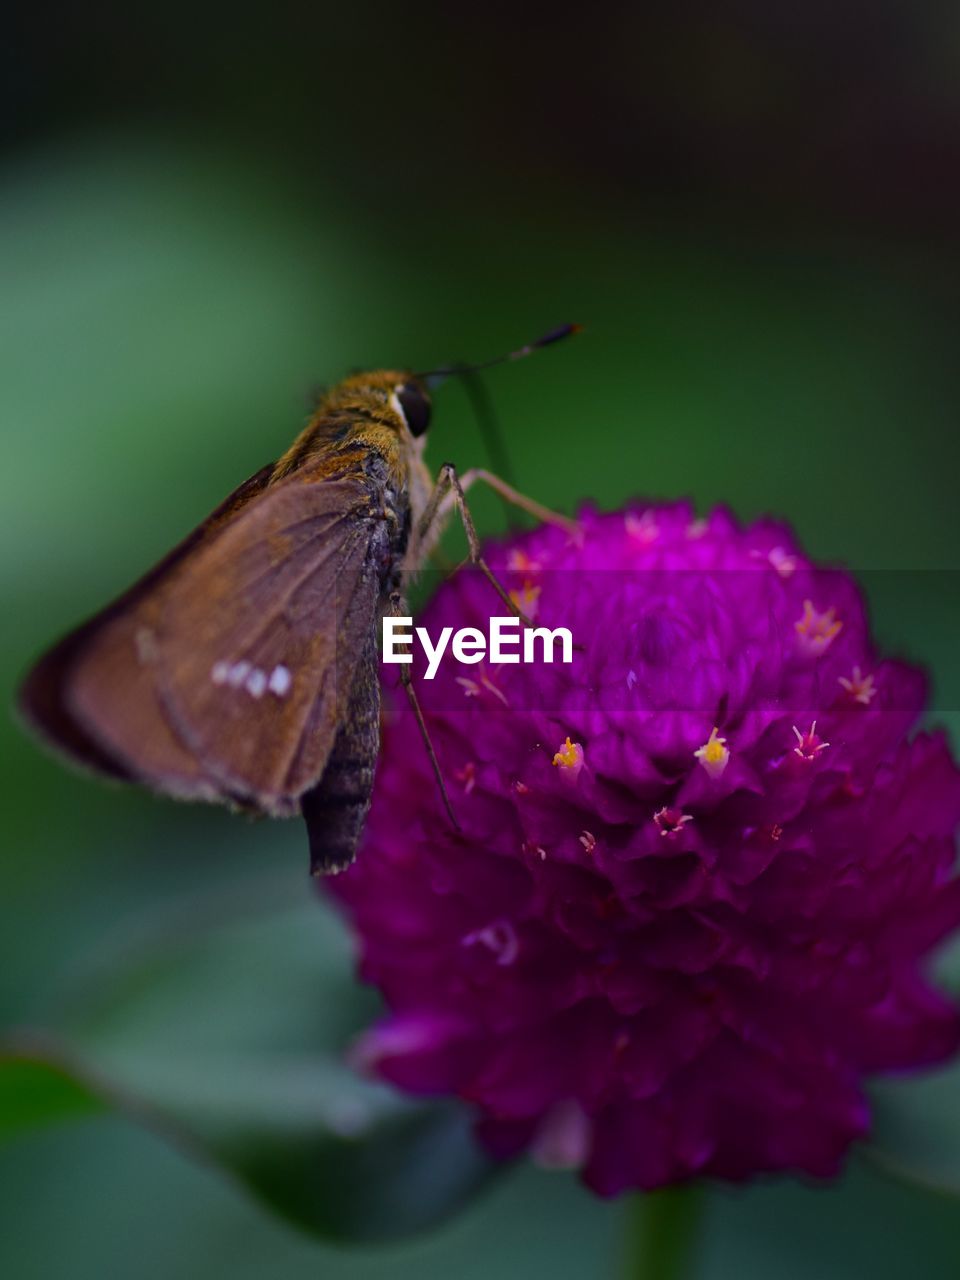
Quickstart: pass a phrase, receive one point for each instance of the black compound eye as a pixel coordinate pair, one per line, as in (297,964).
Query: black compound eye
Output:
(415,405)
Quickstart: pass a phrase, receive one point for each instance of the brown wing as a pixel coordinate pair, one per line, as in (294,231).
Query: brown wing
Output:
(258,644)
(44,699)
(227,676)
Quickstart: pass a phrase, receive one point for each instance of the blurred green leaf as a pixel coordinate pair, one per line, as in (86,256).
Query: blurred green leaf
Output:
(916,1130)
(265,1098)
(35,1092)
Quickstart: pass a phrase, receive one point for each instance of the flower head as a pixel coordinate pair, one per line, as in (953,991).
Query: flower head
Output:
(699,870)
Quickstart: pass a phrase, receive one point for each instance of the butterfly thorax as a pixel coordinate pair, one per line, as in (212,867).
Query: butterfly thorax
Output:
(359,431)
(352,419)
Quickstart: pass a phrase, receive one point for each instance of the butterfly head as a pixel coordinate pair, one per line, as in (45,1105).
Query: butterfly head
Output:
(398,398)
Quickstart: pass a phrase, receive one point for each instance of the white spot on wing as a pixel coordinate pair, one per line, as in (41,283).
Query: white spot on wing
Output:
(220,673)
(280,680)
(146,644)
(238,673)
(256,683)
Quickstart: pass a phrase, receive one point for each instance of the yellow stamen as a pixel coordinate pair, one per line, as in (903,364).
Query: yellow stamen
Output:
(570,756)
(519,562)
(860,687)
(527,599)
(815,630)
(713,755)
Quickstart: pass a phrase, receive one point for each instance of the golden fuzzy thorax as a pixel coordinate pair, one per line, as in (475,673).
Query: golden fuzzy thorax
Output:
(355,418)
(352,418)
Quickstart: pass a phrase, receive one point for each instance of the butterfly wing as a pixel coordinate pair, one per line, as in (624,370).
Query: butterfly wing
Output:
(46,695)
(224,675)
(257,646)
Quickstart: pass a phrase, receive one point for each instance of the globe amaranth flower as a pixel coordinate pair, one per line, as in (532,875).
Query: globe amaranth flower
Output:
(699,873)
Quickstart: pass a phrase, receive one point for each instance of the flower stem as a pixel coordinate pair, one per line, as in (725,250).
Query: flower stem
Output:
(662,1233)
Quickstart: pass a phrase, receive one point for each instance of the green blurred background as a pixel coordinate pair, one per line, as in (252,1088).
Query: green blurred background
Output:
(205,211)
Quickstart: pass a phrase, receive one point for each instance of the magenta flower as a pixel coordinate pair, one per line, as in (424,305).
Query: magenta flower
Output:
(700,870)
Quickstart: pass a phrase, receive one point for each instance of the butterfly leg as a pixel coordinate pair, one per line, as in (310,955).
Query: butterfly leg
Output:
(399,610)
(518,499)
(447,491)
(450,489)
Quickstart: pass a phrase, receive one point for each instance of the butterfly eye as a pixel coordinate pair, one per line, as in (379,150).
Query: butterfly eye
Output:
(415,406)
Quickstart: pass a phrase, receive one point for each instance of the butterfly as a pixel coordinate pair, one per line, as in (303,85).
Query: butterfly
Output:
(243,668)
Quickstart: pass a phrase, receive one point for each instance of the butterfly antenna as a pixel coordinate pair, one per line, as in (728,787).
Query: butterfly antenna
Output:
(494,441)
(433,377)
(482,404)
